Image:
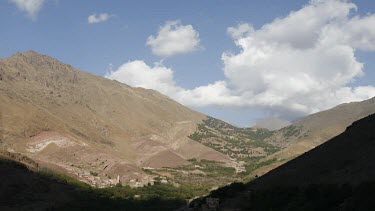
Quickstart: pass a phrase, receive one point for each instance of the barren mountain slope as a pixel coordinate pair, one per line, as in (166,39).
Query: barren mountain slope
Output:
(72,119)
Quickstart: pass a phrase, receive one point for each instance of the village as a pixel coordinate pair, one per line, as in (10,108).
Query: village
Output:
(104,182)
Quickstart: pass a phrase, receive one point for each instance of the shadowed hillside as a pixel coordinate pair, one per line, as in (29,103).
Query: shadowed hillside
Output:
(26,187)
(337,175)
(345,159)
(311,131)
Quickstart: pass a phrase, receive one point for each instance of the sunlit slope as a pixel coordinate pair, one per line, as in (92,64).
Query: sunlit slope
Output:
(73,120)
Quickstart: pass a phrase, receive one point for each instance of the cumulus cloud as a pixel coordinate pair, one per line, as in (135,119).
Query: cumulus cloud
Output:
(94,18)
(241,30)
(137,73)
(30,7)
(305,61)
(298,64)
(158,77)
(174,38)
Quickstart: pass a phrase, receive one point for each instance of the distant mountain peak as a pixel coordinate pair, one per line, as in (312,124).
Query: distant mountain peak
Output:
(32,61)
(29,53)
(34,57)
(272,123)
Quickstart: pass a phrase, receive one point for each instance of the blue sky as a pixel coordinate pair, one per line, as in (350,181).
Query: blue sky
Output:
(60,29)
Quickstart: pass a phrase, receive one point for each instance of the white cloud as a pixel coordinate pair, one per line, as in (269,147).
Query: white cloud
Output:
(174,38)
(302,63)
(31,7)
(305,61)
(94,18)
(241,30)
(137,73)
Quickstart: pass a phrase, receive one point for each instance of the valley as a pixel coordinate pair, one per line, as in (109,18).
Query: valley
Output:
(123,140)
(102,132)
(187,105)
(324,178)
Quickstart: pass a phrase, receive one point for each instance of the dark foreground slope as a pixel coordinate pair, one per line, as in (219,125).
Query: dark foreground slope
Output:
(346,159)
(337,175)
(24,186)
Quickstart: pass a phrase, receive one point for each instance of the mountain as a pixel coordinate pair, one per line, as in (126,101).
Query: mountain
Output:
(311,131)
(89,127)
(337,175)
(317,128)
(261,150)
(272,123)
(344,159)
(103,132)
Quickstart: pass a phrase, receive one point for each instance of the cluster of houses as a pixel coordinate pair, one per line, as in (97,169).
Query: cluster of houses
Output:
(136,183)
(100,182)
(239,166)
(97,181)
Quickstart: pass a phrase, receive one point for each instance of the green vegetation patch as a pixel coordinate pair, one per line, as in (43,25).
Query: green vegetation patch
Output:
(291,130)
(233,141)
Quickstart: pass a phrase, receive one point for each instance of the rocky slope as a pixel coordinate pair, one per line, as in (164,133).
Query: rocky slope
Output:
(88,126)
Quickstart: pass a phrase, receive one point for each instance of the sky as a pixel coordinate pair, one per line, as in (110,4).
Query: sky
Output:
(240,61)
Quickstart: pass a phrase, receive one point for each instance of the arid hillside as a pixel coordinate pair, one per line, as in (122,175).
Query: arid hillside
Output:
(83,124)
